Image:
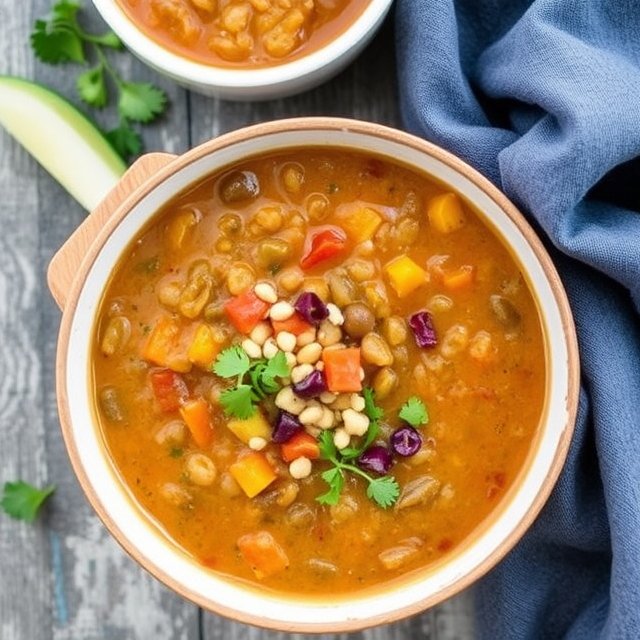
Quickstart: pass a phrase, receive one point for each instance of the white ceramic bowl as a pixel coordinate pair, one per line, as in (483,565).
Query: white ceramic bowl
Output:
(250,84)
(80,272)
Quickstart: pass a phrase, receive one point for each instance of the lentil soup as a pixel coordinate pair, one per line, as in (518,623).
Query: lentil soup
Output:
(243,33)
(318,371)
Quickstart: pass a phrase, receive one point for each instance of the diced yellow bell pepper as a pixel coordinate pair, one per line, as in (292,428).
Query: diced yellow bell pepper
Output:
(253,473)
(163,347)
(445,213)
(203,348)
(405,275)
(180,227)
(361,223)
(254,427)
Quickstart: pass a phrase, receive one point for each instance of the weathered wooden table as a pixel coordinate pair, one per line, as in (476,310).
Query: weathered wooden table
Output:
(64,577)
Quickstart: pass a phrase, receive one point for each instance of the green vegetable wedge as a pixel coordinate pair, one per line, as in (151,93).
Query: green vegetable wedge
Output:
(66,143)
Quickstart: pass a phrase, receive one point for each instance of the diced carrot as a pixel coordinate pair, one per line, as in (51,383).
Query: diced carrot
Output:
(254,427)
(253,473)
(196,415)
(169,389)
(296,324)
(262,553)
(405,275)
(203,348)
(342,369)
(445,213)
(163,347)
(299,445)
(245,311)
(361,223)
(458,279)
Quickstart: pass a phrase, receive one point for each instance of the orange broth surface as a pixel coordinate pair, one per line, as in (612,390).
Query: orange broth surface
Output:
(482,383)
(243,33)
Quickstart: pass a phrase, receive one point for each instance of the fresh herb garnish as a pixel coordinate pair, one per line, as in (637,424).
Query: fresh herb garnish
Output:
(58,38)
(384,490)
(414,412)
(22,500)
(240,401)
(176,452)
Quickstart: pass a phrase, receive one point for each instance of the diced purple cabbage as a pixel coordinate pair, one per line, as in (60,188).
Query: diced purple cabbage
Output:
(287,425)
(376,459)
(423,330)
(406,441)
(311,308)
(311,386)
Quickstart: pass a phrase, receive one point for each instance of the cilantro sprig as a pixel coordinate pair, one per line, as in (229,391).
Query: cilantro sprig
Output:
(240,400)
(22,501)
(58,38)
(414,412)
(384,490)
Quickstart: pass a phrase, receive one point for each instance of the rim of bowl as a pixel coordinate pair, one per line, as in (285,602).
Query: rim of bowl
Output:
(566,398)
(238,78)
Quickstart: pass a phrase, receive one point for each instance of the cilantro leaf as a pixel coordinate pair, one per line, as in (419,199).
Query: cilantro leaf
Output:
(277,366)
(383,491)
(373,411)
(231,362)
(125,140)
(334,478)
(140,101)
(414,412)
(56,42)
(64,11)
(328,450)
(239,401)
(92,87)
(22,501)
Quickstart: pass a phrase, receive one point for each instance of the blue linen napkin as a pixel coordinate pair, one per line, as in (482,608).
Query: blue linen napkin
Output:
(543,97)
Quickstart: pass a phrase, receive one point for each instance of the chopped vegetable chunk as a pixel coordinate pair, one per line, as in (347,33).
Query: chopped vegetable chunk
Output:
(263,554)
(300,445)
(342,369)
(361,224)
(169,388)
(253,473)
(196,415)
(254,427)
(445,213)
(405,275)
(325,245)
(203,349)
(163,346)
(245,311)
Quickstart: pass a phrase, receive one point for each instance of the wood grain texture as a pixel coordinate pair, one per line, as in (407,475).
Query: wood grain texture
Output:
(80,584)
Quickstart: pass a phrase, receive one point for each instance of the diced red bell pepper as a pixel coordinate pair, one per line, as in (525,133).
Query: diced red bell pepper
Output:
(324,245)
(245,311)
(296,324)
(300,444)
(169,388)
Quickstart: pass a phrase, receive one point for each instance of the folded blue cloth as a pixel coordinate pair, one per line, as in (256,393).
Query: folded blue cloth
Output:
(543,97)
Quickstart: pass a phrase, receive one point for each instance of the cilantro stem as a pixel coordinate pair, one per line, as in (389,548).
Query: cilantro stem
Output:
(106,66)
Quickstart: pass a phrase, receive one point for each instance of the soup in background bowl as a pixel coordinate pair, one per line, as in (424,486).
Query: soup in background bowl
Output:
(246,50)
(330,373)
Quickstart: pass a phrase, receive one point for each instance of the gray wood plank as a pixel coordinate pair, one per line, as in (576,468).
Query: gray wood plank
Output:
(80,584)
(24,555)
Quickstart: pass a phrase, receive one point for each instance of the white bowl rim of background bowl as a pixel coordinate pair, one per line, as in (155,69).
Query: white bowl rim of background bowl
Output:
(410,594)
(275,80)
